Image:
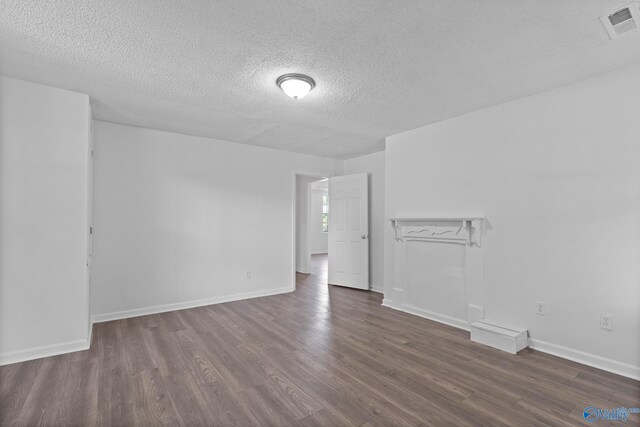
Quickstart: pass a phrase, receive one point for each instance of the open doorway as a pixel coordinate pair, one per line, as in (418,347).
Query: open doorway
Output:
(311,228)
(319,218)
(342,216)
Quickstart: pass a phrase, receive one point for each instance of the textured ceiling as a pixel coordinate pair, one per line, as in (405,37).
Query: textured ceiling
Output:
(206,67)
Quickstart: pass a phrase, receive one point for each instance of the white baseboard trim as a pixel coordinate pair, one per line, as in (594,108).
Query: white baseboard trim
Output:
(578,356)
(588,359)
(599,362)
(84,344)
(377,289)
(116,315)
(44,351)
(427,314)
(89,333)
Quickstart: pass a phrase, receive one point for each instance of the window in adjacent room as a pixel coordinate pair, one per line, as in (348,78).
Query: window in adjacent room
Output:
(325,213)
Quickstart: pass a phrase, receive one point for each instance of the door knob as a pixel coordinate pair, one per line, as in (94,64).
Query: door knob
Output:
(364,236)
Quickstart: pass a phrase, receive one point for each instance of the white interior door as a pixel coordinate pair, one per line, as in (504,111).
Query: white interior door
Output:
(349,231)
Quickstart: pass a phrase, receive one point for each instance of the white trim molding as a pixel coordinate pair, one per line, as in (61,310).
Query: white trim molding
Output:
(604,363)
(45,351)
(84,344)
(465,230)
(376,288)
(427,314)
(143,311)
(578,356)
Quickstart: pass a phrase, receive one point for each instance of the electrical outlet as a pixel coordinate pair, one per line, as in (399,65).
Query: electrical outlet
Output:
(606,322)
(540,308)
(247,274)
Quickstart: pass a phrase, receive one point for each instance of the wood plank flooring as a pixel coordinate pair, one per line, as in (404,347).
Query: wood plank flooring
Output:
(321,356)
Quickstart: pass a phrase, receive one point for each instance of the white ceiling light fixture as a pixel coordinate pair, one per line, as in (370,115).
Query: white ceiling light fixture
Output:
(297,86)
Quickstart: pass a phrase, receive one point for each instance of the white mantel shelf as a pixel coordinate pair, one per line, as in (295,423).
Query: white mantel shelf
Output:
(438,218)
(463,229)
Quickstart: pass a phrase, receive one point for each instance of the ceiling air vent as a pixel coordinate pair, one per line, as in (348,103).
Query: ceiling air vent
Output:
(622,20)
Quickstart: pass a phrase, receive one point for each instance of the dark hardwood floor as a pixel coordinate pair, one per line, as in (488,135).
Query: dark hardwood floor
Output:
(319,356)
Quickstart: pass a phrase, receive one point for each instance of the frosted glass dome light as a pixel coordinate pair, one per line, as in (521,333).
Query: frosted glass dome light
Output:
(297,86)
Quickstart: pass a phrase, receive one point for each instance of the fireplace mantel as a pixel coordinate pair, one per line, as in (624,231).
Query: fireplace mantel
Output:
(464,230)
(424,270)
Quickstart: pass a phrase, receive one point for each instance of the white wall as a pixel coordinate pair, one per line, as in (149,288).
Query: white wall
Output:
(44,151)
(374,166)
(558,176)
(303,206)
(319,241)
(178,220)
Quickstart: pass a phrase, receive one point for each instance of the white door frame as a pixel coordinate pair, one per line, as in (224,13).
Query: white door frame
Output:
(294,197)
